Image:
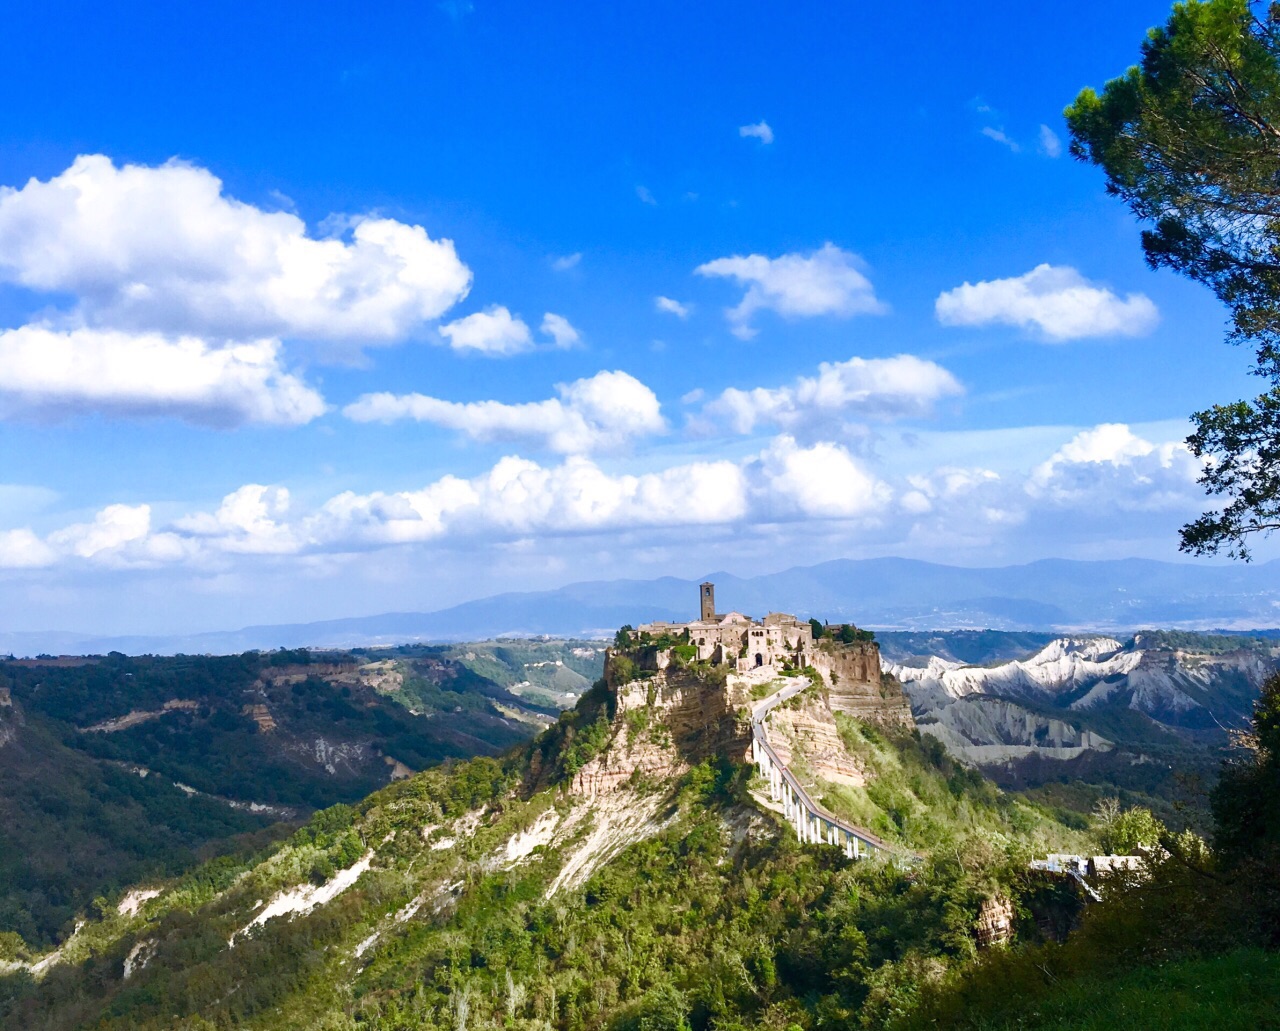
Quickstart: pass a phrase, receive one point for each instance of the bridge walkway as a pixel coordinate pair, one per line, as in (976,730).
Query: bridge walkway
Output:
(812,823)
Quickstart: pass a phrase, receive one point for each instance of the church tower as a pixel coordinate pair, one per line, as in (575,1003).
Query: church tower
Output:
(707,594)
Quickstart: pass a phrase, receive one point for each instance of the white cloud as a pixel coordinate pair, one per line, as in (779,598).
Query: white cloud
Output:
(560,330)
(1050,145)
(22,549)
(880,388)
(246,522)
(1057,301)
(1111,465)
(606,411)
(828,281)
(518,497)
(946,483)
(163,249)
(1001,137)
(494,332)
(44,370)
(566,262)
(823,481)
(672,307)
(646,196)
(113,527)
(760,131)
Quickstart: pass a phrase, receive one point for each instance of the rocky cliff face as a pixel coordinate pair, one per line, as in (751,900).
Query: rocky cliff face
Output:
(808,730)
(663,722)
(1065,699)
(856,685)
(10,718)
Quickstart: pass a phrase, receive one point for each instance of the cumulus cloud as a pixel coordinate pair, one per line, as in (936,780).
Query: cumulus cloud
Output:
(22,549)
(864,388)
(1050,145)
(566,262)
(605,411)
(519,497)
(113,527)
(1055,301)
(760,131)
(48,371)
(560,330)
(823,481)
(944,484)
(163,249)
(247,522)
(1110,464)
(828,281)
(494,332)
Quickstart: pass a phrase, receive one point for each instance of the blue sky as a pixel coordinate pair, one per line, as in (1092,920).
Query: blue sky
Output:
(320,310)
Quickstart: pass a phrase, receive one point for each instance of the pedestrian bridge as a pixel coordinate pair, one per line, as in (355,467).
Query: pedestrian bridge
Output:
(812,823)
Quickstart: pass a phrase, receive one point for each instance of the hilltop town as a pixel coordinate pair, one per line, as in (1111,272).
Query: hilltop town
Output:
(707,687)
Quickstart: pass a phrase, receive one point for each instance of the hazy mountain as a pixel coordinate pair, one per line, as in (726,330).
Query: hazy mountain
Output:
(889,593)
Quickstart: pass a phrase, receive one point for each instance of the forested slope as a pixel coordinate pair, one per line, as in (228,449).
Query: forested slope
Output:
(115,768)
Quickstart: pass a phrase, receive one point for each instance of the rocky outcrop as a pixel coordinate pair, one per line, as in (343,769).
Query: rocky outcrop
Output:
(664,721)
(855,684)
(995,922)
(10,718)
(260,715)
(806,725)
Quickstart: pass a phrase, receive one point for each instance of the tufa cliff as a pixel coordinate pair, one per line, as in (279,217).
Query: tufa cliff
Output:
(679,693)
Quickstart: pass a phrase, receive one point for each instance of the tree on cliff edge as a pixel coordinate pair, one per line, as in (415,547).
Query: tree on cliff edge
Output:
(1190,140)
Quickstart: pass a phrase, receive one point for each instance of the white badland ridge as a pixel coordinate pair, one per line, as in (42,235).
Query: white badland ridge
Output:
(1062,665)
(974,710)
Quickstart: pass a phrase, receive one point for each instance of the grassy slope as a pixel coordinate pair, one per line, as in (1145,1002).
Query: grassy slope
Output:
(919,796)
(1223,993)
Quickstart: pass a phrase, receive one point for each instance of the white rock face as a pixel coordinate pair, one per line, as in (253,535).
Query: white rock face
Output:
(131,903)
(305,897)
(981,712)
(1060,666)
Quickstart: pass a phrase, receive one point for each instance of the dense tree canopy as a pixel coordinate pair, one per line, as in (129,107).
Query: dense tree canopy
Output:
(1190,139)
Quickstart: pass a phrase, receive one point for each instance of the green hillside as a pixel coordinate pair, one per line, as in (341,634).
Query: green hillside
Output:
(114,769)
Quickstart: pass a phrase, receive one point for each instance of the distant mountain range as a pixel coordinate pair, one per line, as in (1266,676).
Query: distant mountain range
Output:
(884,593)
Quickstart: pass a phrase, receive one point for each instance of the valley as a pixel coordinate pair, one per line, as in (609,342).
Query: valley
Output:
(115,768)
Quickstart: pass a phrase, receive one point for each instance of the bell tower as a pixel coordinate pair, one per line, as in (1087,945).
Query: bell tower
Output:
(707,595)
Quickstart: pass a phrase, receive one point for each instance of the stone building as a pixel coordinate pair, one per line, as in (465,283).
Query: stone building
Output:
(740,641)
